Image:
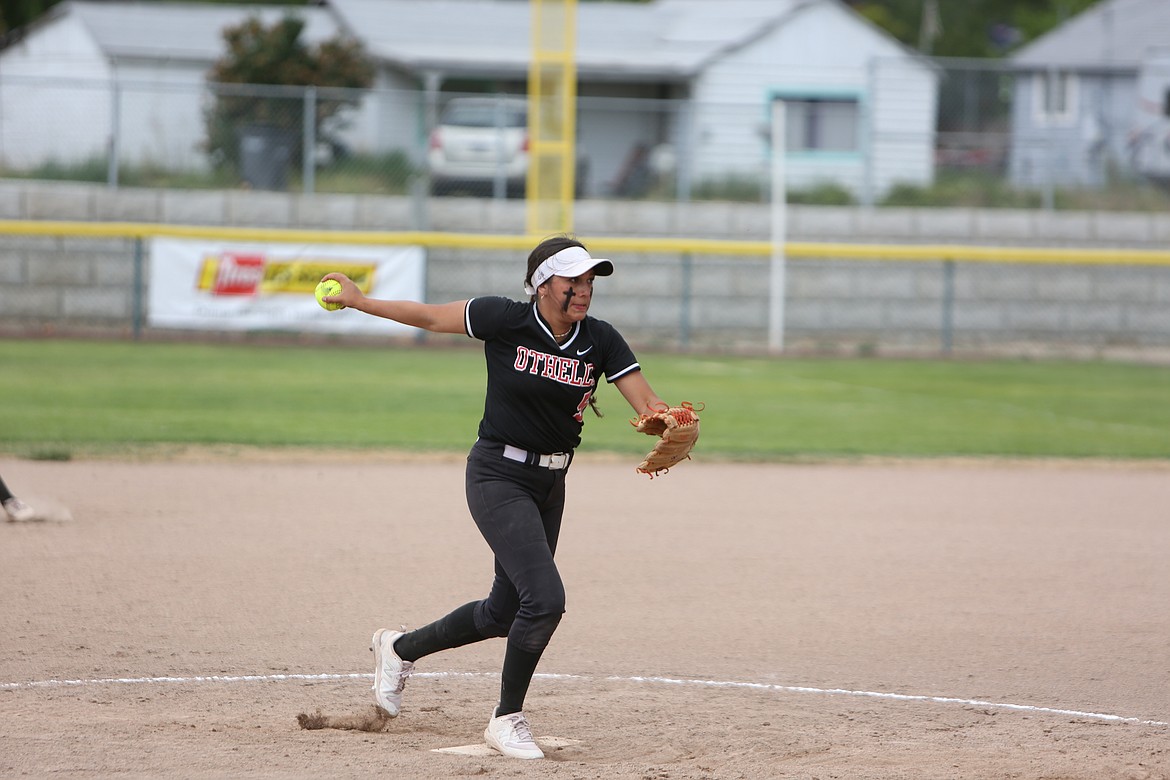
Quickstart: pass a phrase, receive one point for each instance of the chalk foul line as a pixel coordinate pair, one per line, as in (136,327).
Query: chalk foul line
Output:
(243,678)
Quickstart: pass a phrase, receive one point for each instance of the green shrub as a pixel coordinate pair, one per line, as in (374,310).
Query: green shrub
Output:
(824,194)
(734,187)
(389,173)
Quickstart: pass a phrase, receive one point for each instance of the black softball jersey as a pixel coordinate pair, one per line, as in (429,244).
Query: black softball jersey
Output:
(537,389)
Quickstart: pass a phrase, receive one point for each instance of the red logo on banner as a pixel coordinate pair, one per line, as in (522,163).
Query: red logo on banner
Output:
(238,274)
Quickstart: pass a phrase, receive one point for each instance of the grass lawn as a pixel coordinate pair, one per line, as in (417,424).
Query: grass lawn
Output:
(73,398)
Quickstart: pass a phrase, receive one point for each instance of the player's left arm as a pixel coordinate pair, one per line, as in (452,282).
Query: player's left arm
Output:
(637,391)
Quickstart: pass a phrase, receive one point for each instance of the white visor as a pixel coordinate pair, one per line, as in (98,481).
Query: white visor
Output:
(572,261)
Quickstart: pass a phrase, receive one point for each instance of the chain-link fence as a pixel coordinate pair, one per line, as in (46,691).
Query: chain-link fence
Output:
(980,135)
(985,155)
(665,298)
(1052,138)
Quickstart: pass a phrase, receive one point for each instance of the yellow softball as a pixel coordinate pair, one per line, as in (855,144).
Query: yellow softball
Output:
(328,287)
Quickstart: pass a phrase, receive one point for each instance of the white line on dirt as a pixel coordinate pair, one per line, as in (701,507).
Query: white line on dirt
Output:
(223,679)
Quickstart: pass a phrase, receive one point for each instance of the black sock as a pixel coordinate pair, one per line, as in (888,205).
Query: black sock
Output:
(519,666)
(453,630)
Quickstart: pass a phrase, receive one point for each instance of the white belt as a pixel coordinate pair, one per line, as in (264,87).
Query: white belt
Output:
(556,461)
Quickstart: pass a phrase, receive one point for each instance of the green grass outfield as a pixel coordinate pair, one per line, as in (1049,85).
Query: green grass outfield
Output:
(61,399)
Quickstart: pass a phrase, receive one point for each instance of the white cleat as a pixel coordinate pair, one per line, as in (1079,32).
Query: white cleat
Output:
(18,511)
(512,736)
(390,671)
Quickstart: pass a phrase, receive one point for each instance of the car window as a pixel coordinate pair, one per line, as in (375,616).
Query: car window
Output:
(483,115)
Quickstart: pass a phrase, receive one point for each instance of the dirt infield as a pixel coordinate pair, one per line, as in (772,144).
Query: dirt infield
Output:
(916,620)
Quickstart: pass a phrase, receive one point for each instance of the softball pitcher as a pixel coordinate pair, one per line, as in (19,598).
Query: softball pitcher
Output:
(545,357)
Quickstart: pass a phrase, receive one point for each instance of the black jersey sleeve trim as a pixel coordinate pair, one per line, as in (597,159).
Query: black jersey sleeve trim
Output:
(623,372)
(467,318)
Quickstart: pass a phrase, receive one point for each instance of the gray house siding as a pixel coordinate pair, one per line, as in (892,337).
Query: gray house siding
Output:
(901,135)
(155,122)
(1150,142)
(390,118)
(30,94)
(1085,149)
(616,130)
(821,53)
(1105,49)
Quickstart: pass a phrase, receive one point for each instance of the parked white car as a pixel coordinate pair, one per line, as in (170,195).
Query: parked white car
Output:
(480,146)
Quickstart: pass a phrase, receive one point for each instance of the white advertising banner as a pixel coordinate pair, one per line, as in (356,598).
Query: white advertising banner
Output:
(230,285)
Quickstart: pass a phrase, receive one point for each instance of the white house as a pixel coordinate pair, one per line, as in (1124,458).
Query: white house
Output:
(697,77)
(861,108)
(1150,142)
(88,75)
(1091,98)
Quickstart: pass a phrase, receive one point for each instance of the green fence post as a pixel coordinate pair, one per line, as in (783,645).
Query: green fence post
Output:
(948,306)
(139,284)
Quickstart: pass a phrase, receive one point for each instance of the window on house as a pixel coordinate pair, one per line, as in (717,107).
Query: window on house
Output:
(1056,96)
(822,125)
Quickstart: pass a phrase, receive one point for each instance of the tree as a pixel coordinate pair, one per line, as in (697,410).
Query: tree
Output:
(15,14)
(971,99)
(276,56)
(970,28)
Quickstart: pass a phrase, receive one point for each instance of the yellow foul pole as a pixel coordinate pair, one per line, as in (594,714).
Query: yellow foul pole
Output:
(552,117)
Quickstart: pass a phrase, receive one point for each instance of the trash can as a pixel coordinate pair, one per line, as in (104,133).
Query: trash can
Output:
(265,154)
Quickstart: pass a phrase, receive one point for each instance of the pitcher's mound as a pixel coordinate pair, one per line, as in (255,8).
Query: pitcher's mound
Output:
(481,750)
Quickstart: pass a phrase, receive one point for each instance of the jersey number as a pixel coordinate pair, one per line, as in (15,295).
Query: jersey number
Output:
(579,416)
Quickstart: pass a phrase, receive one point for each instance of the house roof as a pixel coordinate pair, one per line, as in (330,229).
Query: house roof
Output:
(1112,35)
(666,39)
(186,31)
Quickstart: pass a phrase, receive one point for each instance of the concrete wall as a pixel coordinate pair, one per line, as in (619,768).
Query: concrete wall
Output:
(66,285)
